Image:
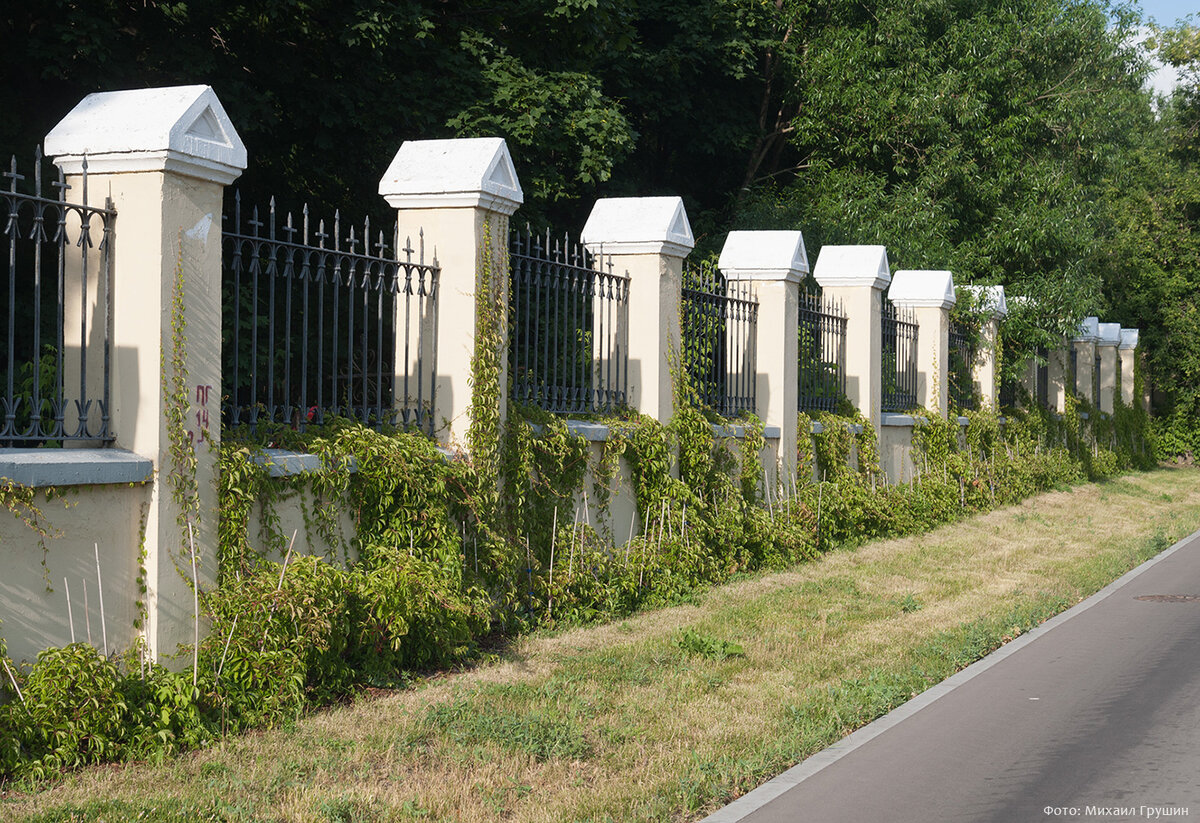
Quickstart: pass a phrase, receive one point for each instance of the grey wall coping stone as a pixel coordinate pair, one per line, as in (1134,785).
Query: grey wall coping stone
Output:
(284,463)
(39,468)
(816,427)
(598,432)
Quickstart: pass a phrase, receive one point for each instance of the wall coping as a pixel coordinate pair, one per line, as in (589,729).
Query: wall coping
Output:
(1110,334)
(853,266)
(1129,339)
(764,255)
(182,129)
(1089,331)
(816,427)
(599,432)
(923,288)
(39,468)
(285,463)
(465,172)
(639,225)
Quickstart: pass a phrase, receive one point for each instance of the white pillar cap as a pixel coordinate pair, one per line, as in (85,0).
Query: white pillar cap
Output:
(1129,339)
(764,255)
(991,299)
(1110,334)
(853,266)
(923,288)
(1089,330)
(182,129)
(639,225)
(466,172)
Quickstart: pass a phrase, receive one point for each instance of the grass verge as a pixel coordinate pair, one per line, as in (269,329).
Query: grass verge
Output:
(666,715)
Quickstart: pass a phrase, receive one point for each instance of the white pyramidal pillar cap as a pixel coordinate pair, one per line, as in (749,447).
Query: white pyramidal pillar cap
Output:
(639,225)
(923,288)
(1110,334)
(1089,330)
(181,129)
(764,255)
(465,172)
(853,266)
(1129,339)
(991,299)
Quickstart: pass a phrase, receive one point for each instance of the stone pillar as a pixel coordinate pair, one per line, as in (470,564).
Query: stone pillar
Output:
(458,195)
(1058,372)
(856,276)
(984,371)
(164,156)
(647,238)
(1127,352)
(1106,348)
(930,295)
(1085,363)
(776,262)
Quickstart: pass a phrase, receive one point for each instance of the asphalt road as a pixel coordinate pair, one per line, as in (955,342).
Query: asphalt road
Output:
(1093,716)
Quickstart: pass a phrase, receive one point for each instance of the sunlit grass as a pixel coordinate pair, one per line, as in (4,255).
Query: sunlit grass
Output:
(667,715)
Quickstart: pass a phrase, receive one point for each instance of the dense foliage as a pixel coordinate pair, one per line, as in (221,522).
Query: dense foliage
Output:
(1012,143)
(439,566)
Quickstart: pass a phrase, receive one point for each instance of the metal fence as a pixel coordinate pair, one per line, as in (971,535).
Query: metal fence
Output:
(57,312)
(569,347)
(899,358)
(320,324)
(821,354)
(1073,358)
(720,340)
(962,358)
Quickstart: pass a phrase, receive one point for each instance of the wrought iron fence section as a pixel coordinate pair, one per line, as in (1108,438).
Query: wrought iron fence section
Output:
(320,324)
(57,312)
(962,358)
(898,358)
(1073,357)
(821,354)
(720,340)
(569,313)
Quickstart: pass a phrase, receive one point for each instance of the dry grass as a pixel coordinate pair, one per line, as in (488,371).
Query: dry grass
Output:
(617,722)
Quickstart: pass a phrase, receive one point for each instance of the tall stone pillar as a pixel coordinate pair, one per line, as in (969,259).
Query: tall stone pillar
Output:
(930,295)
(164,157)
(647,238)
(1106,348)
(1085,360)
(856,276)
(459,195)
(776,262)
(1127,352)
(985,371)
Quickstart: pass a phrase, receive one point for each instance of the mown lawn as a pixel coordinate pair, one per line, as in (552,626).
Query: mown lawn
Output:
(666,715)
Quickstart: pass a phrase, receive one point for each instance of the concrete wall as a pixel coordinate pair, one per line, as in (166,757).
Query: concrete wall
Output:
(82,517)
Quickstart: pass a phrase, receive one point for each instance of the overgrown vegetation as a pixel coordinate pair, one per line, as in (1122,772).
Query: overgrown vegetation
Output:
(446,555)
(657,716)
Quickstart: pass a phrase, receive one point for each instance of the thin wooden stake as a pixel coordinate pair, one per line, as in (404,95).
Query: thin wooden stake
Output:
(13,680)
(553,540)
(100,593)
(225,651)
(820,491)
(70,614)
(632,518)
(87,613)
(195,610)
